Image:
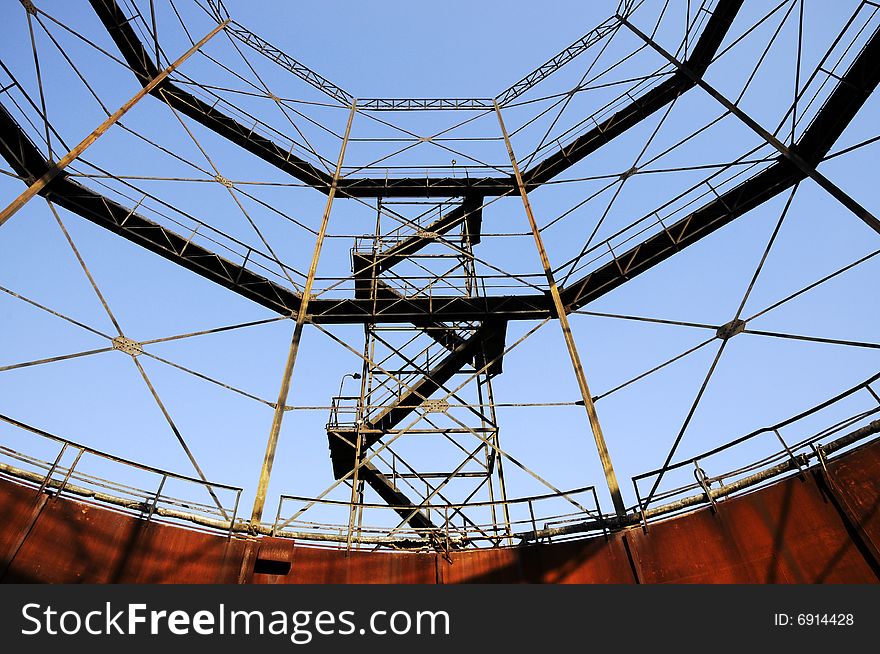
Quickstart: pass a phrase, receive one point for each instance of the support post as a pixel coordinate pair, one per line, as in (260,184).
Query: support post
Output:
(271,445)
(604,456)
(71,156)
(360,416)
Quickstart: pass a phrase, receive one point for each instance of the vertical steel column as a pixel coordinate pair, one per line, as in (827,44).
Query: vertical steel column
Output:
(71,156)
(271,445)
(604,456)
(360,417)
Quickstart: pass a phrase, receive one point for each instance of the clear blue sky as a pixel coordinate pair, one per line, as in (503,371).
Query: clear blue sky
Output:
(400,49)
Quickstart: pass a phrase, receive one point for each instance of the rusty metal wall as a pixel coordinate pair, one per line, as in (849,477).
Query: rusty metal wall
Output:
(788,532)
(312,565)
(820,527)
(44,539)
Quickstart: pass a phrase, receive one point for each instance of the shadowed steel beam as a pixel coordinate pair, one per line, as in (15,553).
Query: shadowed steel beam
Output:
(120,30)
(287,62)
(806,168)
(138,59)
(71,156)
(604,456)
(342,452)
(853,89)
(268,460)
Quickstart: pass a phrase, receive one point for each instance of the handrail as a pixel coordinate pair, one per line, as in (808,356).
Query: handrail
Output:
(791,458)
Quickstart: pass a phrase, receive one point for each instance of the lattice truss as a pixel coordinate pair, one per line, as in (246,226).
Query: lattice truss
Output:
(688,191)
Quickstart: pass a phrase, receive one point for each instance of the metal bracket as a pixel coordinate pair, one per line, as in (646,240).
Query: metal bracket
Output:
(731,329)
(29,7)
(435,406)
(628,173)
(425,234)
(127,346)
(820,454)
(702,480)
(223,180)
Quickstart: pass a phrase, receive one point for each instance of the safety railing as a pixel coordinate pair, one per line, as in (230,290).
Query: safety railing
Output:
(70,468)
(490,523)
(785,447)
(62,467)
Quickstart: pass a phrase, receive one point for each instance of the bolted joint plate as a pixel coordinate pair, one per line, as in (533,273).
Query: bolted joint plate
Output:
(731,329)
(127,346)
(435,406)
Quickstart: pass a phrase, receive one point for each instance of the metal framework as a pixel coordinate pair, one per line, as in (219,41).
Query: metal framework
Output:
(419,443)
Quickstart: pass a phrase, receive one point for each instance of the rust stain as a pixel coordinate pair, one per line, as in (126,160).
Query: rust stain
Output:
(789,531)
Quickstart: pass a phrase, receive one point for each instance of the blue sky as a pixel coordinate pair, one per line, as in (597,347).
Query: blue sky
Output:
(398,49)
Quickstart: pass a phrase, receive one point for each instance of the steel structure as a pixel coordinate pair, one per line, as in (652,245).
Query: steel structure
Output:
(418,448)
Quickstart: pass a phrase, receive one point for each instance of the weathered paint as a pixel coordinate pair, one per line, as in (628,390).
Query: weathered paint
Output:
(794,530)
(313,565)
(857,480)
(75,542)
(788,532)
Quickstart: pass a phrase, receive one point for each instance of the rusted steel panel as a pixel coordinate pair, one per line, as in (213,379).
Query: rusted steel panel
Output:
(858,477)
(276,554)
(19,508)
(314,565)
(595,560)
(787,532)
(487,566)
(75,542)
(696,549)
(592,561)
(799,534)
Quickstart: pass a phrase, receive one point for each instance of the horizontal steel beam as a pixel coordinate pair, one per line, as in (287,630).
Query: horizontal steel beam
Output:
(402,505)
(840,107)
(342,452)
(120,30)
(136,57)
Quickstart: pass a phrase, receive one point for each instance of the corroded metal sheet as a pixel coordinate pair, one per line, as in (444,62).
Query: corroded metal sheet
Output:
(594,560)
(858,477)
(314,565)
(284,561)
(20,506)
(501,565)
(787,532)
(72,542)
(793,530)
(590,561)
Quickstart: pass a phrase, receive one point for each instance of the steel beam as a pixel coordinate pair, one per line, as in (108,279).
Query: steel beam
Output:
(553,64)
(280,406)
(401,504)
(135,55)
(642,107)
(830,121)
(562,316)
(342,452)
(56,169)
(470,211)
(138,59)
(855,73)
